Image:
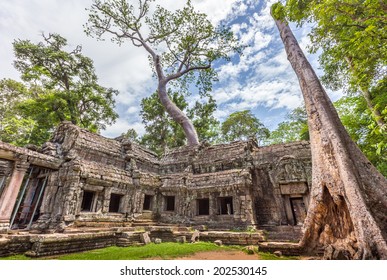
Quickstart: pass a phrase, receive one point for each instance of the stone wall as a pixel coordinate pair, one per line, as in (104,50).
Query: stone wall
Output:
(281,174)
(93,180)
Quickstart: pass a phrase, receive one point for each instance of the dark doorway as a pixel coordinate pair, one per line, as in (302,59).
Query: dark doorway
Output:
(87,201)
(147,202)
(115,201)
(203,206)
(225,206)
(298,210)
(169,203)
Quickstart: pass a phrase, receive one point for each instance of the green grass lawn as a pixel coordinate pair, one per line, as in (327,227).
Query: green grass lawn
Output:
(162,251)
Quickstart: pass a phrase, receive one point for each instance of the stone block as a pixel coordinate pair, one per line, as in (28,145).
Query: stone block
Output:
(278,253)
(195,237)
(181,239)
(145,238)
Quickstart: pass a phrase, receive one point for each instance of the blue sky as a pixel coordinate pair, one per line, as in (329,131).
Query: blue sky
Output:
(261,80)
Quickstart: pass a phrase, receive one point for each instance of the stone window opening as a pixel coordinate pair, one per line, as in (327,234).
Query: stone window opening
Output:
(225,206)
(169,203)
(115,202)
(203,206)
(88,201)
(147,202)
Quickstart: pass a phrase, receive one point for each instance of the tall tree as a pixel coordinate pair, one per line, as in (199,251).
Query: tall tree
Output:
(294,128)
(182,46)
(64,85)
(15,127)
(162,132)
(202,116)
(242,125)
(352,37)
(347,212)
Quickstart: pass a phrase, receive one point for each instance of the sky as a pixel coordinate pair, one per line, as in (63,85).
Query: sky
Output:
(261,80)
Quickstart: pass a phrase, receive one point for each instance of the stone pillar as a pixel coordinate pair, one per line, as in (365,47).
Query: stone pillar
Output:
(10,193)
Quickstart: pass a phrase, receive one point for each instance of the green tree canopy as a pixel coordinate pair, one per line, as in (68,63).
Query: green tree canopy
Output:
(162,132)
(356,119)
(15,127)
(294,128)
(64,85)
(182,45)
(242,125)
(130,134)
(352,37)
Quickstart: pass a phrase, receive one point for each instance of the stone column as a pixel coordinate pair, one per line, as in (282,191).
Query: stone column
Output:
(10,193)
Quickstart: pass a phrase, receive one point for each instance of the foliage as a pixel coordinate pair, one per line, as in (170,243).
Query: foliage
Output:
(242,125)
(182,45)
(15,128)
(352,37)
(294,128)
(163,132)
(202,114)
(361,126)
(61,86)
(131,134)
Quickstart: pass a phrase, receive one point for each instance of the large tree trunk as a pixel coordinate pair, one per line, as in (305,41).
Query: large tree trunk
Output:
(177,115)
(348,208)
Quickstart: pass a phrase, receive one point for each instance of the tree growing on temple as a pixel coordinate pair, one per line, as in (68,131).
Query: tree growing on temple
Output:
(347,212)
(162,132)
(182,46)
(351,35)
(62,85)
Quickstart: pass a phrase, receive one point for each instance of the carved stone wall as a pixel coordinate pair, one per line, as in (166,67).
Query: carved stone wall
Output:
(282,176)
(94,181)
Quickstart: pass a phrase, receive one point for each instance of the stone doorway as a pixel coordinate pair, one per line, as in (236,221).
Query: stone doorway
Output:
(147,205)
(225,206)
(203,206)
(298,210)
(115,203)
(29,201)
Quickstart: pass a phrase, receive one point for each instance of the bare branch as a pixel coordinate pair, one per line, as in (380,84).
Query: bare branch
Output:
(188,69)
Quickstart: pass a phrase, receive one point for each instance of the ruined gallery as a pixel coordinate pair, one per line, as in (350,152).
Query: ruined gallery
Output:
(82,191)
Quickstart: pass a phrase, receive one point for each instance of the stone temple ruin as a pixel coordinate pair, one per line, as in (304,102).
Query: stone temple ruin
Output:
(101,189)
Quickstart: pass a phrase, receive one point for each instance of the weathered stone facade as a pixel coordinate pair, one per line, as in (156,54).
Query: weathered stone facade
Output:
(83,179)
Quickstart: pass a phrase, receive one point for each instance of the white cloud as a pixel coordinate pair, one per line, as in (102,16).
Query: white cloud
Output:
(122,126)
(262,78)
(133,110)
(215,11)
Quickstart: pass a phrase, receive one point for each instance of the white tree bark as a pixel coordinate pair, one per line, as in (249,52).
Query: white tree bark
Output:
(177,115)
